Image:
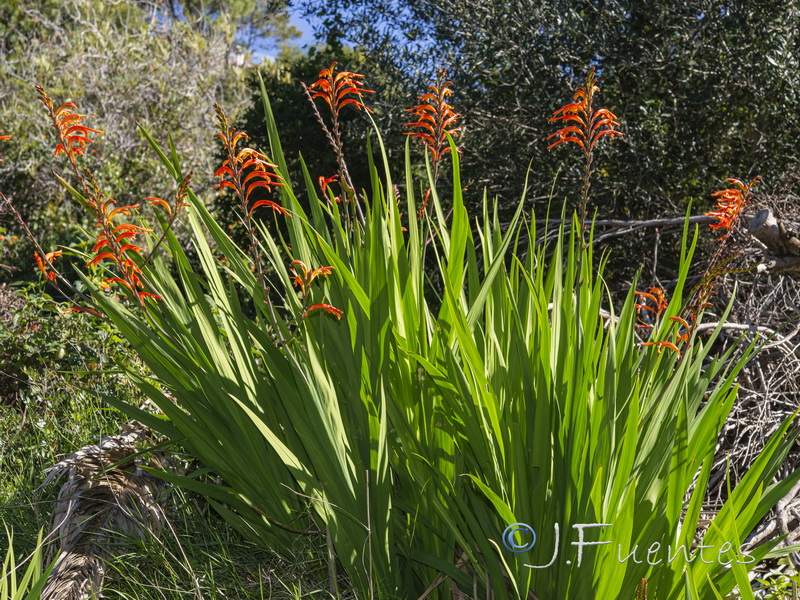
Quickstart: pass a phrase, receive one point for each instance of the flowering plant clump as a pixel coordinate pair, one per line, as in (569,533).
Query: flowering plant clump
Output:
(450,401)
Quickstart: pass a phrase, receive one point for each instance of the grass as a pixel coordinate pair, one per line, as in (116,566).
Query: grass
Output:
(197,556)
(200,556)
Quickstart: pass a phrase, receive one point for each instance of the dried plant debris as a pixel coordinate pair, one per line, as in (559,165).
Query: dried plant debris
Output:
(106,497)
(769,386)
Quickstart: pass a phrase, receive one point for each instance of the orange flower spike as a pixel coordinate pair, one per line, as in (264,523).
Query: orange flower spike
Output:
(73,137)
(731,203)
(340,89)
(246,170)
(49,257)
(592,124)
(435,117)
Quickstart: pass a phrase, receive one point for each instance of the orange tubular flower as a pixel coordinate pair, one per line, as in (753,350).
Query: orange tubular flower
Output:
(4,138)
(42,263)
(658,297)
(245,170)
(79,309)
(326,307)
(73,136)
(687,333)
(662,345)
(435,117)
(304,281)
(180,197)
(339,89)
(325,184)
(730,205)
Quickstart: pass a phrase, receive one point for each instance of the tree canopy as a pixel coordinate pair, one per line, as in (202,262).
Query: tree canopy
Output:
(161,65)
(704,89)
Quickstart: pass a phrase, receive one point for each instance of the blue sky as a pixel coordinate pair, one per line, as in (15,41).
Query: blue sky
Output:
(303,25)
(306,39)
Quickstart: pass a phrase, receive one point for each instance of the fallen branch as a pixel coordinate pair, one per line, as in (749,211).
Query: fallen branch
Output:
(782,244)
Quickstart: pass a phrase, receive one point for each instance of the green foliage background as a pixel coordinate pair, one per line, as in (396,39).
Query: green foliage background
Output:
(704,89)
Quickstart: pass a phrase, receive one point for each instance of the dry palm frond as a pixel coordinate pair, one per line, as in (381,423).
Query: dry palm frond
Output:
(106,494)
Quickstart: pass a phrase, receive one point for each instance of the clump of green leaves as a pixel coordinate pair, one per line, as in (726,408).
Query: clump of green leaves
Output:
(27,584)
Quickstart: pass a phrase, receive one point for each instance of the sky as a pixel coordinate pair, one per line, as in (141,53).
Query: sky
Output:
(303,25)
(298,21)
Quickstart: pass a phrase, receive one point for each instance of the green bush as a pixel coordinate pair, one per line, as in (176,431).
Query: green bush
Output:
(413,420)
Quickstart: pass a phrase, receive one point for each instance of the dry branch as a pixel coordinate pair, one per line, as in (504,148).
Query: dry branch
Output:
(782,244)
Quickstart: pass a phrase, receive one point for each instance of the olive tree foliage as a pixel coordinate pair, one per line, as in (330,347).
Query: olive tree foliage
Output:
(125,63)
(704,89)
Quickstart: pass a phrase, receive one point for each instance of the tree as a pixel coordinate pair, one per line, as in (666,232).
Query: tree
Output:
(156,64)
(704,89)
